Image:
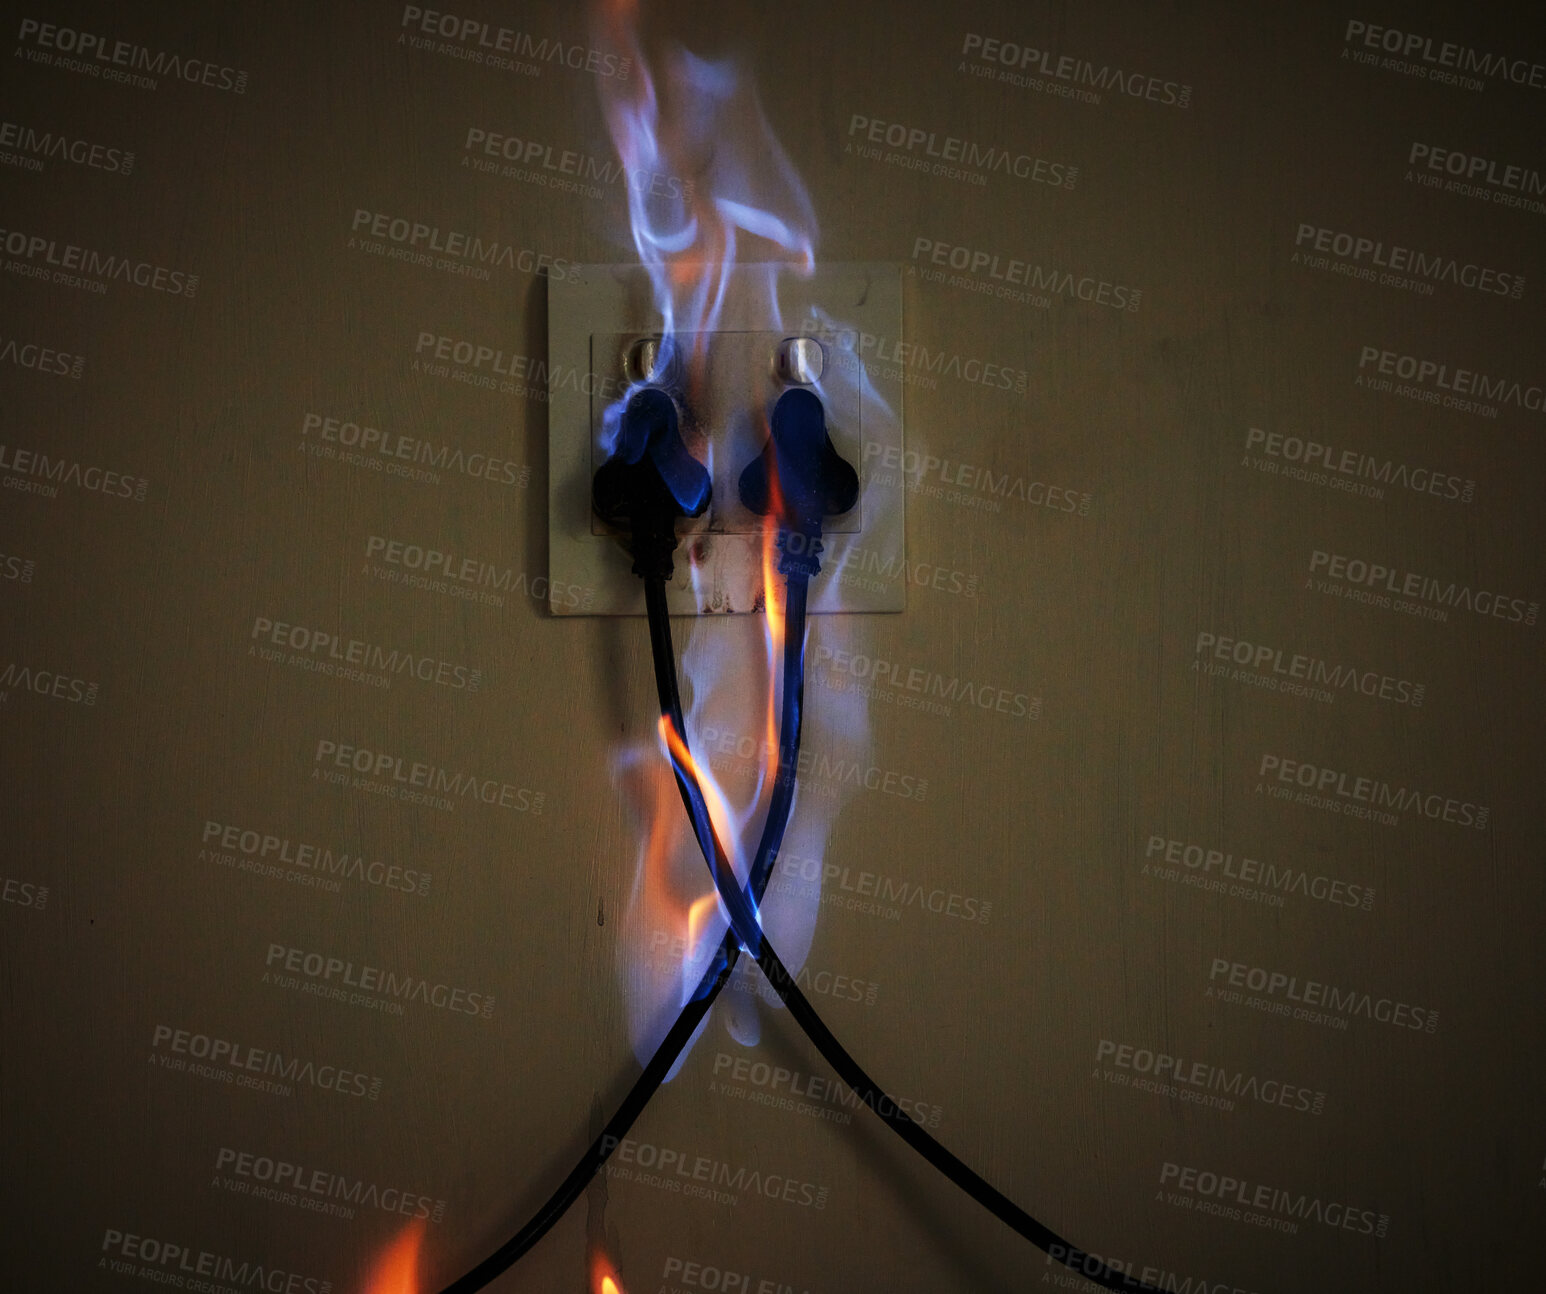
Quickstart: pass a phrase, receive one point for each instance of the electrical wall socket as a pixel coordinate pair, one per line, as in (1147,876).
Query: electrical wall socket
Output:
(601,326)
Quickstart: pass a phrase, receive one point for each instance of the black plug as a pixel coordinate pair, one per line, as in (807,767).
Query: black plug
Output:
(800,479)
(650,481)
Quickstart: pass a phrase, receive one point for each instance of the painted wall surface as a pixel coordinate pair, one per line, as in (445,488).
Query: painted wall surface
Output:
(1190,880)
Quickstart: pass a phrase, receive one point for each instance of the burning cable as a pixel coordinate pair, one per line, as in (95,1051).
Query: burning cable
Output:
(714,978)
(798,480)
(688,247)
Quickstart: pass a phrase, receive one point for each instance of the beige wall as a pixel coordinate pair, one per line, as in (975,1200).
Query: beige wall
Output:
(136,711)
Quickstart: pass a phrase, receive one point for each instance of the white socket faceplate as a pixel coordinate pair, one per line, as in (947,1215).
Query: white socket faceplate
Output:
(598,315)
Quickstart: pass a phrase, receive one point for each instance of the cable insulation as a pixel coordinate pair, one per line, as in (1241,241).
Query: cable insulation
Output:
(744,923)
(746,932)
(726,956)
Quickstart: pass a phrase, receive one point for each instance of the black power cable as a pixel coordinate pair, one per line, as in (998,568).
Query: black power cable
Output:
(745,925)
(799,479)
(728,953)
(596,1155)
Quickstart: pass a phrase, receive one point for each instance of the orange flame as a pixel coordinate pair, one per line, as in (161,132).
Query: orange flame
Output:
(659,845)
(770,600)
(719,810)
(603,1276)
(665,900)
(662,903)
(775,619)
(698,917)
(397,1270)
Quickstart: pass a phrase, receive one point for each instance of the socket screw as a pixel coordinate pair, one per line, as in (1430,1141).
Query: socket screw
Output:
(799,361)
(642,362)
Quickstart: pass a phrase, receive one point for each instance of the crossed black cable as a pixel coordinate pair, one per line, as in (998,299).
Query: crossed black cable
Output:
(746,932)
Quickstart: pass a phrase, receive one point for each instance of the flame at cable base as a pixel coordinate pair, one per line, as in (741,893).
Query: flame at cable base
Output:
(604,1278)
(397,1270)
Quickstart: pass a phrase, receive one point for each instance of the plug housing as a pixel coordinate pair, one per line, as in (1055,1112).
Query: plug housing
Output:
(649,481)
(799,479)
